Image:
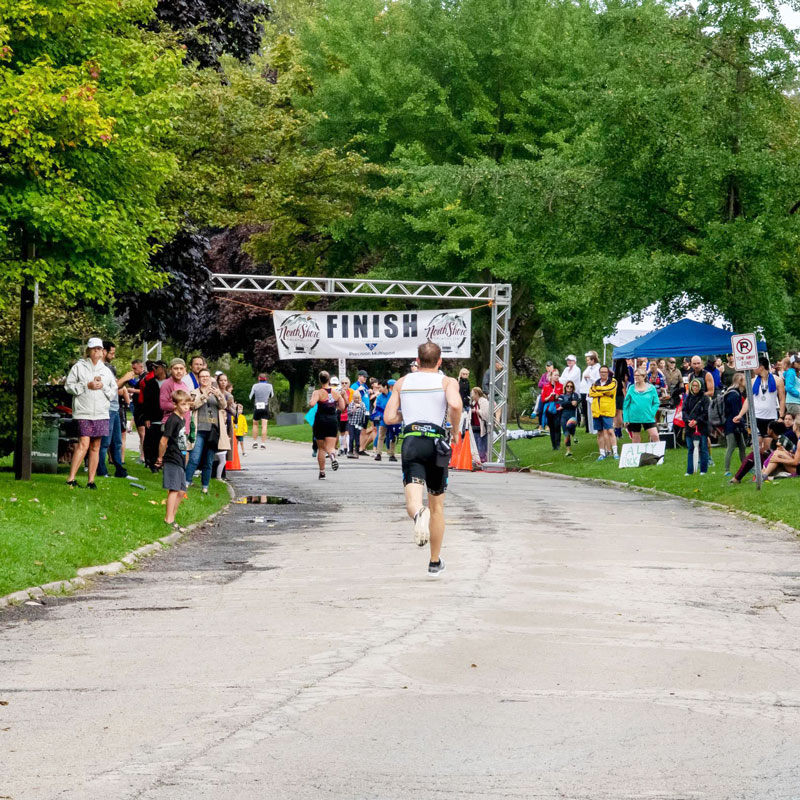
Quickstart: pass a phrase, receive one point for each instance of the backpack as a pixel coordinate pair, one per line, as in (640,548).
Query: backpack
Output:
(716,412)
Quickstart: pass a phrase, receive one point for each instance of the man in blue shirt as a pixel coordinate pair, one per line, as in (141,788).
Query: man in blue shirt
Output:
(384,433)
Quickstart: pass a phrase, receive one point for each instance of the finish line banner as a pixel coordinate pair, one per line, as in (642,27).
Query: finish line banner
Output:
(371,334)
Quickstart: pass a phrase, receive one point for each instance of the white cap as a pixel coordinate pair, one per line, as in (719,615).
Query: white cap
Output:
(94,342)
(335,380)
(570,357)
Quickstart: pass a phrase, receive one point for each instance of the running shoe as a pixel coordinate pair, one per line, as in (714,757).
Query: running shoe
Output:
(263,447)
(602,458)
(378,457)
(711,462)
(91,485)
(255,445)
(72,484)
(322,476)
(392,458)
(436,568)
(352,455)
(362,452)
(616,456)
(334,463)
(422,531)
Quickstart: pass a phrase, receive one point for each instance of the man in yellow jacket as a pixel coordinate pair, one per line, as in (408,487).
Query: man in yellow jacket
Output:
(603,394)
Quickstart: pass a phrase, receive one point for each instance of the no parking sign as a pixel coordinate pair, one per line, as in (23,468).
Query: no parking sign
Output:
(745,351)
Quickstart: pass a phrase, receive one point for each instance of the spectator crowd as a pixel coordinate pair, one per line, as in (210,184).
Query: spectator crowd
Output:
(696,403)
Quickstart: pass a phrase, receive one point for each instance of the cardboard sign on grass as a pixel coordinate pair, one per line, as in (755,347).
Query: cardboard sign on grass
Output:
(631,453)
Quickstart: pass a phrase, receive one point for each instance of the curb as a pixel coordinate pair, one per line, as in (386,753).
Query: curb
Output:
(769,523)
(114,568)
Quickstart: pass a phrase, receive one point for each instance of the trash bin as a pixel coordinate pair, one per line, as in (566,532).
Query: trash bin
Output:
(44,455)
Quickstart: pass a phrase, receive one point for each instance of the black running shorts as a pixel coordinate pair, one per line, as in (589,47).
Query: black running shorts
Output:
(325,427)
(419,464)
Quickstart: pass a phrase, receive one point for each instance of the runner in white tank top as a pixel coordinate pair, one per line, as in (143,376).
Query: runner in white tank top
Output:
(425,397)
(422,398)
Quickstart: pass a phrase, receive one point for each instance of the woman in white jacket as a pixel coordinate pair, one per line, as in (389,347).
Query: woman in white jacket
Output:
(93,386)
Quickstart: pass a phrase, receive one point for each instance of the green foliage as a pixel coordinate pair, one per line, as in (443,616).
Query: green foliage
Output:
(247,161)
(86,97)
(600,159)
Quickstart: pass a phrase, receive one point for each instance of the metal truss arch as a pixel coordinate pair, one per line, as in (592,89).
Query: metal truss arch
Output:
(498,295)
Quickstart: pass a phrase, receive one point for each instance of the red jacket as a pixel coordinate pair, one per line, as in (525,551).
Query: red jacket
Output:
(551,391)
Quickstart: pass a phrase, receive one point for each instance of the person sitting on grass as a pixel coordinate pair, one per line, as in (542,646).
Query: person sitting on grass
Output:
(784,460)
(603,394)
(172,454)
(695,415)
(640,407)
(766,446)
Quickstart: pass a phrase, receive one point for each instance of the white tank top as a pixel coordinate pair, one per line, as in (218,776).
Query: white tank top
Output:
(766,404)
(422,398)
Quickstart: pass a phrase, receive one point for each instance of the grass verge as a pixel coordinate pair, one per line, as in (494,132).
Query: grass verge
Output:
(776,501)
(294,433)
(48,531)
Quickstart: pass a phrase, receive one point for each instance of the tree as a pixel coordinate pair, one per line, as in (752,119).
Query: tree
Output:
(86,97)
(212,28)
(599,159)
(246,160)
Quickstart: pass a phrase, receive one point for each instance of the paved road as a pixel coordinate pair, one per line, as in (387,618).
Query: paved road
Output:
(583,643)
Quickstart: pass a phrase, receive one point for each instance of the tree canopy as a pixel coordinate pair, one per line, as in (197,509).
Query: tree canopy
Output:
(86,96)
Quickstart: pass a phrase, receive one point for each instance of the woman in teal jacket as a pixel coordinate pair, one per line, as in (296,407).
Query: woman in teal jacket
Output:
(640,407)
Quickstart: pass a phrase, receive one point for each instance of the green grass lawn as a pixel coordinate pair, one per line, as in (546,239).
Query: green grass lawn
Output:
(48,531)
(776,501)
(294,433)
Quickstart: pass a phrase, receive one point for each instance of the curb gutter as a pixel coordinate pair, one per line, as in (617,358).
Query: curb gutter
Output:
(115,567)
(769,523)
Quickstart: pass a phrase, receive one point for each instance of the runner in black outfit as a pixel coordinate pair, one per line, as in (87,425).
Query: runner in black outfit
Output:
(329,404)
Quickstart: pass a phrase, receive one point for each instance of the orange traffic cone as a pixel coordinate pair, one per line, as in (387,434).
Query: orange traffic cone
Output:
(455,449)
(464,456)
(234,463)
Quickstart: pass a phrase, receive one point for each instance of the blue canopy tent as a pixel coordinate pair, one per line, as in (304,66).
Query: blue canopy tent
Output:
(683,338)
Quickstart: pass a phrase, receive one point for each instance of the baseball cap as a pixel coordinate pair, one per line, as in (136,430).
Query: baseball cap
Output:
(363,372)
(391,382)
(571,357)
(160,363)
(335,380)
(177,361)
(95,341)
(549,364)
(218,373)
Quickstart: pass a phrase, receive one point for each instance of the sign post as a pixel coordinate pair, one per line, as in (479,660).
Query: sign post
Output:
(745,357)
(342,368)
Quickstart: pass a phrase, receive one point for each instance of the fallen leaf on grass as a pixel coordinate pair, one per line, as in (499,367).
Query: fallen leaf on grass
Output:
(135,494)
(12,499)
(153,502)
(39,563)
(34,500)
(103,516)
(473,665)
(3,702)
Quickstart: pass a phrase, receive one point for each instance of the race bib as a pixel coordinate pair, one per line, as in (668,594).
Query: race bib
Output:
(260,406)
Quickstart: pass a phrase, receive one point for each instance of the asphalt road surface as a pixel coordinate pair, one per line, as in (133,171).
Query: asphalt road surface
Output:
(583,643)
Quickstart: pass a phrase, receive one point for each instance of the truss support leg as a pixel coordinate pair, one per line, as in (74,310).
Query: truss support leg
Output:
(499,371)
